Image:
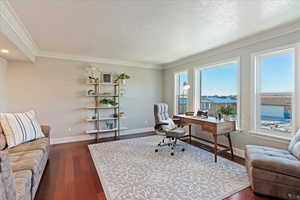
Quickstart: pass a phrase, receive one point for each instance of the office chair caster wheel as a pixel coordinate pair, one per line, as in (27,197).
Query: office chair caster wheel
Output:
(172,154)
(156,150)
(182,150)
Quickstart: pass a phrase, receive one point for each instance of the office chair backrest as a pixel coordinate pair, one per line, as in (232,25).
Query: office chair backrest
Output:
(161,112)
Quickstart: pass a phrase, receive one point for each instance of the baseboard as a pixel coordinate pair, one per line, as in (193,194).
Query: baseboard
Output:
(239,152)
(79,138)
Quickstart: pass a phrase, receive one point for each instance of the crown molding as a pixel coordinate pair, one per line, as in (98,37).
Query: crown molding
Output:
(15,31)
(89,59)
(243,42)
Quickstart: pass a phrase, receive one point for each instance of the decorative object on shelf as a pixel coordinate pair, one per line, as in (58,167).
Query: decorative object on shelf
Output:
(106,77)
(91,92)
(93,72)
(109,102)
(110,124)
(227,111)
(122,78)
(122,91)
(120,114)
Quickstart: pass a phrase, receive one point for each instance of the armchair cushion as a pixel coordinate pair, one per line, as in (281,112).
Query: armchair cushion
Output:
(273,160)
(23,184)
(294,146)
(7,184)
(39,144)
(3,143)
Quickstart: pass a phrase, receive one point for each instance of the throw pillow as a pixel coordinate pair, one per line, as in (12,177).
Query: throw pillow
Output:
(294,146)
(20,127)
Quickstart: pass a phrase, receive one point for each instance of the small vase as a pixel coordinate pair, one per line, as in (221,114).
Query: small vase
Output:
(124,82)
(226,117)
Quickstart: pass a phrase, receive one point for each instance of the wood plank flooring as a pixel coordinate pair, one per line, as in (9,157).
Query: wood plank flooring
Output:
(71,175)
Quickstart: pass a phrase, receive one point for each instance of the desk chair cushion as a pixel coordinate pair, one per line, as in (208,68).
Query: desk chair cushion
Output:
(294,146)
(176,133)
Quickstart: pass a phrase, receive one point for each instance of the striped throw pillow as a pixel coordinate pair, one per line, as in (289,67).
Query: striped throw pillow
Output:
(20,127)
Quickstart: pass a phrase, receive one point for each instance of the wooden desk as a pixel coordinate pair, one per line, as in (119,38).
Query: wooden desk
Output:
(212,126)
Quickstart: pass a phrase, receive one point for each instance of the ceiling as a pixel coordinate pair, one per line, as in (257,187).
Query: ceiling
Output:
(14,52)
(149,31)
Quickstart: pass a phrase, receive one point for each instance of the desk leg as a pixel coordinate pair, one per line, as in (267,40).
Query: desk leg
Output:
(190,133)
(230,145)
(216,146)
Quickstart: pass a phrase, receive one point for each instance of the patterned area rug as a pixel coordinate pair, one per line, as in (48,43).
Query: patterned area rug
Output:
(131,170)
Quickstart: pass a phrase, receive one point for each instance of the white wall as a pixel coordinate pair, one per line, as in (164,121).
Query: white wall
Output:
(3,95)
(242,49)
(56,89)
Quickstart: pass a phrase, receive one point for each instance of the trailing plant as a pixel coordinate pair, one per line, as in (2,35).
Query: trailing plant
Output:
(109,102)
(227,110)
(122,76)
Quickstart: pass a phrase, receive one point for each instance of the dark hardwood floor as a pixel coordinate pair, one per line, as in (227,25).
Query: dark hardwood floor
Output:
(71,175)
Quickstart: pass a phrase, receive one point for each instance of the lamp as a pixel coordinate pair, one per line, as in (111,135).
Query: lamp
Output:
(186,86)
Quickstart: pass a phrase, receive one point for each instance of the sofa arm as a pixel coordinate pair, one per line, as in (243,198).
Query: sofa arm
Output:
(7,184)
(46,130)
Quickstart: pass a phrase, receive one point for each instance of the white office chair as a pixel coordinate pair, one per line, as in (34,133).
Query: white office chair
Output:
(164,125)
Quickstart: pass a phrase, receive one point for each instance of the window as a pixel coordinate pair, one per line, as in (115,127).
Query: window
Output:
(181,93)
(274,91)
(218,87)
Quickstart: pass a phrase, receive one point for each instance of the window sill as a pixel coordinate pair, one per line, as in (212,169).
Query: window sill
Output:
(279,138)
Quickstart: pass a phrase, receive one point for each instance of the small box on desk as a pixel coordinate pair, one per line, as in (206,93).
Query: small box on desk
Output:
(189,113)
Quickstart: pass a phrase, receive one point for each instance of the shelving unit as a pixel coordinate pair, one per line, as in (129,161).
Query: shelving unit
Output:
(98,109)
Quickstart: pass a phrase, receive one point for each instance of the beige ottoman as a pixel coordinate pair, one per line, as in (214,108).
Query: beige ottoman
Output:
(273,172)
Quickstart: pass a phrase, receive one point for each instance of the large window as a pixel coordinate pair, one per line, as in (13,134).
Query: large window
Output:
(181,92)
(219,88)
(274,91)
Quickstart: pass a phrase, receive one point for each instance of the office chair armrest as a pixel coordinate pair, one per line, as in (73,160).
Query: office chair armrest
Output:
(160,124)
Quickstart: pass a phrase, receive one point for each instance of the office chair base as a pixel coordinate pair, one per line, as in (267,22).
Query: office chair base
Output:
(172,143)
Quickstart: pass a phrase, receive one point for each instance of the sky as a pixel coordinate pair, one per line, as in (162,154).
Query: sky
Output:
(277,73)
(276,76)
(219,80)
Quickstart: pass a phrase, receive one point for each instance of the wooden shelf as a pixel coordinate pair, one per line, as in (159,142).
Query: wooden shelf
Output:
(102,95)
(105,130)
(99,93)
(104,84)
(104,119)
(93,108)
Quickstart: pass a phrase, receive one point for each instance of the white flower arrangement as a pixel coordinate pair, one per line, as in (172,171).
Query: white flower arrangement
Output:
(93,71)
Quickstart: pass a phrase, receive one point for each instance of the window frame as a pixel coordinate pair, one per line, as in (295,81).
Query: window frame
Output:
(255,91)
(176,84)
(198,82)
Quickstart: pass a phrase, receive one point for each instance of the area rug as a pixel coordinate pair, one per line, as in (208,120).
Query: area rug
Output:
(132,170)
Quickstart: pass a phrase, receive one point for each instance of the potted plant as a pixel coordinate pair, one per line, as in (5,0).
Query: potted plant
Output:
(227,111)
(109,102)
(122,77)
